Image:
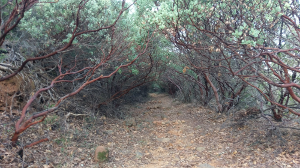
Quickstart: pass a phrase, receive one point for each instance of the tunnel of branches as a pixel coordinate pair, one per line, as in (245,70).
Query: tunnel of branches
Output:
(224,57)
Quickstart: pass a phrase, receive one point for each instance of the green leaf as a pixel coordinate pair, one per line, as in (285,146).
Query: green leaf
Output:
(278,9)
(254,32)
(120,71)
(135,71)
(237,33)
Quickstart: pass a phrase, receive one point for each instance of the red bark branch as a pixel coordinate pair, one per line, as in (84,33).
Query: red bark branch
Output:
(37,142)
(69,44)
(19,128)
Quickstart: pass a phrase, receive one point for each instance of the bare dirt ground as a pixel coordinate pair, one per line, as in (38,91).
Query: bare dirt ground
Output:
(159,133)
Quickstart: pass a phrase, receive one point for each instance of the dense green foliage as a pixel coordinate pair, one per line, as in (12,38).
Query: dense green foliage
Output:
(235,43)
(218,47)
(221,53)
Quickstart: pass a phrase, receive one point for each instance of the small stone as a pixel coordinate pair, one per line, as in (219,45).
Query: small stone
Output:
(101,154)
(205,165)
(110,144)
(109,132)
(139,154)
(130,122)
(200,149)
(163,139)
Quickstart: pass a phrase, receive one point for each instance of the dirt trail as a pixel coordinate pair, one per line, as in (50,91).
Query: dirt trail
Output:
(171,134)
(163,133)
(163,136)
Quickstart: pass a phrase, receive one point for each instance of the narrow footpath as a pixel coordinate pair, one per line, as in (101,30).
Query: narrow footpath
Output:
(164,133)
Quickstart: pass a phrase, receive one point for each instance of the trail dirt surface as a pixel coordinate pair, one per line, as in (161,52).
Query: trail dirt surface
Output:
(163,133)
(170,134)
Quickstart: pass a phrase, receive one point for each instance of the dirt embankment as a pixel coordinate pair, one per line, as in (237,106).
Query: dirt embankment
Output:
(13,92)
